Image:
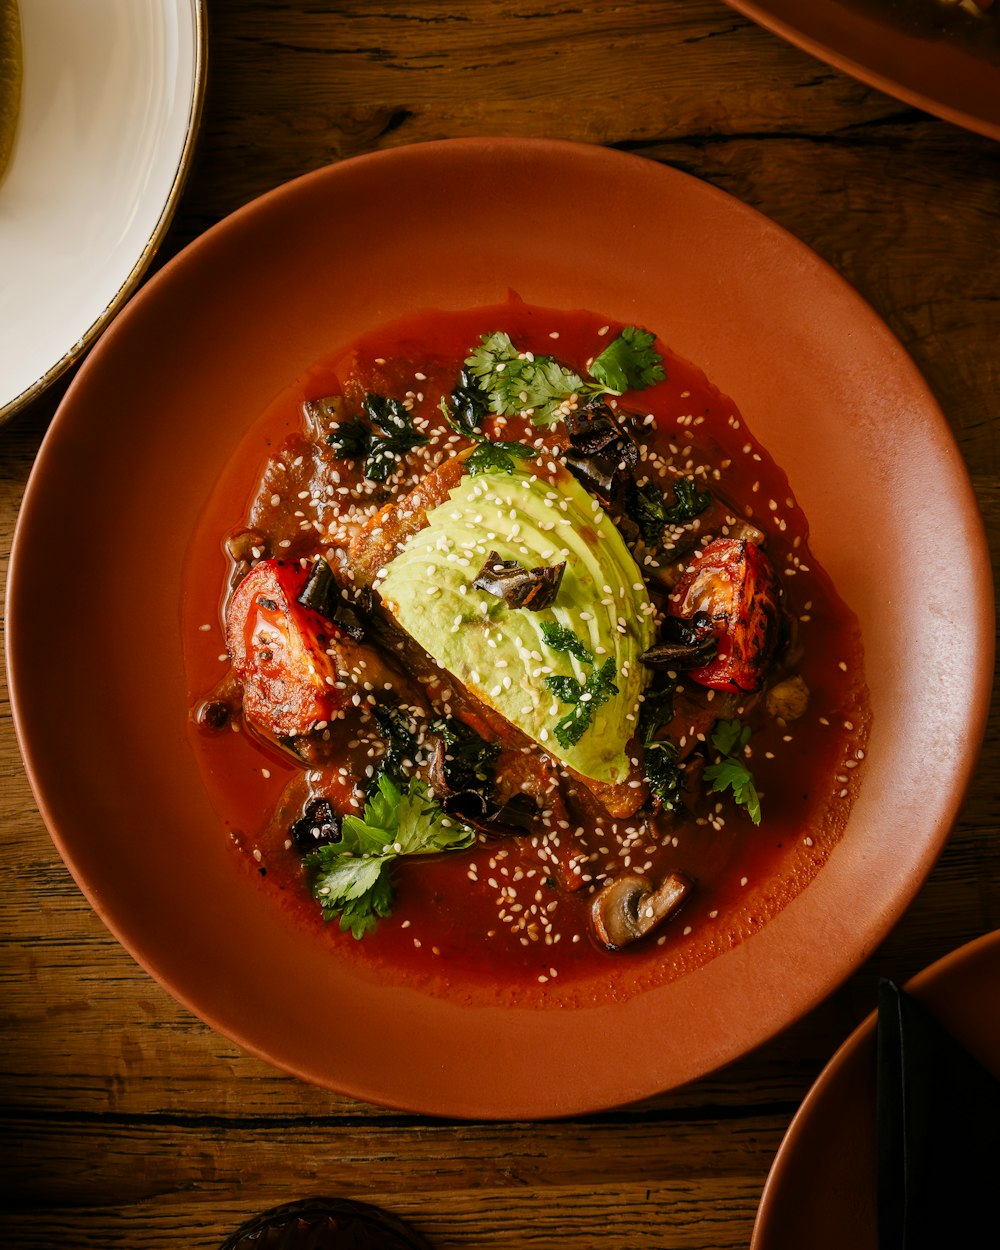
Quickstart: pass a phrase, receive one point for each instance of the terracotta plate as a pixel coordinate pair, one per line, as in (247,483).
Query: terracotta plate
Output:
(951,79)
(95,657)
(821,1191)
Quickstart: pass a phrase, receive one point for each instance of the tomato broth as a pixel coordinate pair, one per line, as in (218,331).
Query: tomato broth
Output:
(491,920)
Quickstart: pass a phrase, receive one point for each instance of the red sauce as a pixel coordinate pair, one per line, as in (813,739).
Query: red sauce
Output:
(445,935)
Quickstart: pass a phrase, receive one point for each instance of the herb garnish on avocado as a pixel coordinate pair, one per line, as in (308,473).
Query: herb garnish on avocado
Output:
(502,655)
(585,696)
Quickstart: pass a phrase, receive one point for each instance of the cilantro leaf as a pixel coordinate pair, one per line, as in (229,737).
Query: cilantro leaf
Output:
(424,827)
(362,913)
(731,772)
(352,877)
(629,363)
(521,381)
(498,457)
(598,689)
(730,736)
(559,638)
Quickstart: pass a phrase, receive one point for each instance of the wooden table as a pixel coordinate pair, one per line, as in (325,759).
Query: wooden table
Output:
(128,1123)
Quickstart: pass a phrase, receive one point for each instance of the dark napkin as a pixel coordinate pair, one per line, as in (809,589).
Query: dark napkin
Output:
(938,1133)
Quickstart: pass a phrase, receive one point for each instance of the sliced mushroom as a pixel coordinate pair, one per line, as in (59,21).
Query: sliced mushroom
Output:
(629,907)
(788,700)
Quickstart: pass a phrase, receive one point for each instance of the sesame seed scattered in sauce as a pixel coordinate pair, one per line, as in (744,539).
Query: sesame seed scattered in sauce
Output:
(530,908)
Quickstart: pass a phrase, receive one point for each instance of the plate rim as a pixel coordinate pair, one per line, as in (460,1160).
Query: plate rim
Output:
(261,204)
(131,281)
(861,1036)
(785,28)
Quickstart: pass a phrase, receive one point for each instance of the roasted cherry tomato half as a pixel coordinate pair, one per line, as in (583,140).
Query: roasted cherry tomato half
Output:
(279,652)
(733,583)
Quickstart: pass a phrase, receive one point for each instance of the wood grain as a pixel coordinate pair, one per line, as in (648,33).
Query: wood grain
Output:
(127,1122)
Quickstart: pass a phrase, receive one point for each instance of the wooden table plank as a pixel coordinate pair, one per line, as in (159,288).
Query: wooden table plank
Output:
(127,1121)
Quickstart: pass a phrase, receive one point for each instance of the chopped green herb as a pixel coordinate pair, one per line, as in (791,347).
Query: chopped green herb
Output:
(664,774)
(568,689)
(498,457)
(731,772)
(469,408)
(656,710)
(470,761)
(629,363)
(647,506)
(352,440)
(399,734)
(559,638)
(586,698)
(689,501)
(352,877)
(390,416)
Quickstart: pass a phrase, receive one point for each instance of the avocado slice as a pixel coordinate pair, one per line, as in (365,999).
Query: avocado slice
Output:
(500,654)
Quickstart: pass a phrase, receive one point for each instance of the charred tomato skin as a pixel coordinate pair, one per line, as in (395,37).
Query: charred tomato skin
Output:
(733,582)
(278,649)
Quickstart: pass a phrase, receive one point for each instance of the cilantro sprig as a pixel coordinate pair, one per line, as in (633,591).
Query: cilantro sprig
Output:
(352,877)
(730,772)
(516,381)
(585,697)
(629,363)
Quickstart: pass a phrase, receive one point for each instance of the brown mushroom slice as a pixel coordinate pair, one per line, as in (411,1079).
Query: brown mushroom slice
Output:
(629,907)
(788,700)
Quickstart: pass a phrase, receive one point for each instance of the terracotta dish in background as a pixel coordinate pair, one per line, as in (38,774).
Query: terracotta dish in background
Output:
(945,76)
(97,676)
(822,1188)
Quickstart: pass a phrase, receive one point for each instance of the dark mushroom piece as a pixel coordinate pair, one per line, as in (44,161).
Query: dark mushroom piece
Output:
(629,907)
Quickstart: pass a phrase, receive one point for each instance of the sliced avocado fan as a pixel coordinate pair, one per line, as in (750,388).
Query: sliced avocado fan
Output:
(501,654)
